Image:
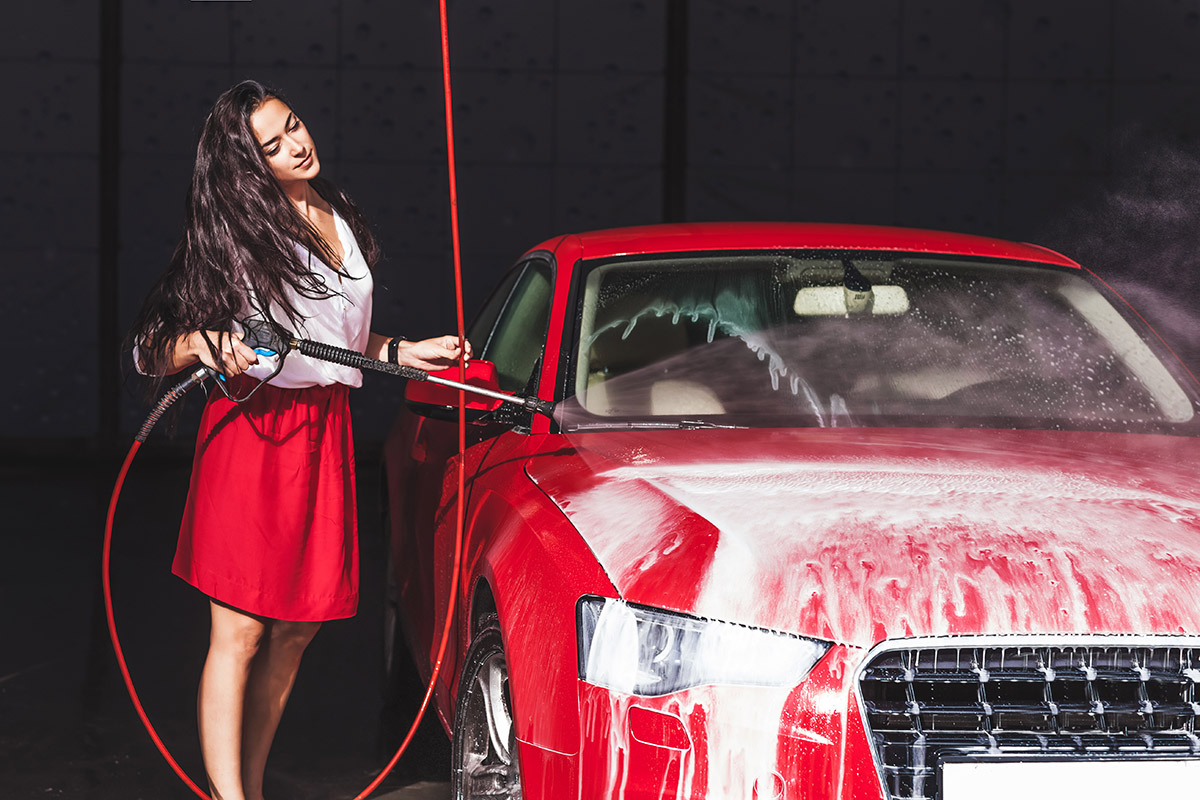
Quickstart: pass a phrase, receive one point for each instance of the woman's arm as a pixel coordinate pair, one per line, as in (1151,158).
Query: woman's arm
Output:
(232,357)
(428,354)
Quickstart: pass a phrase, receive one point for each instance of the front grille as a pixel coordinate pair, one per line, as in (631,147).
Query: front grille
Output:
(989,698)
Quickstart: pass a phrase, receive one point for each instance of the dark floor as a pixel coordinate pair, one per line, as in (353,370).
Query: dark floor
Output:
(67,727)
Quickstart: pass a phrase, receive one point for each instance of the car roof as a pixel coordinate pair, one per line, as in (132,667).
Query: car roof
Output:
(700,237)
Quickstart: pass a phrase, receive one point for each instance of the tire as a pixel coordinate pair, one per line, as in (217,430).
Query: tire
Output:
(484,761)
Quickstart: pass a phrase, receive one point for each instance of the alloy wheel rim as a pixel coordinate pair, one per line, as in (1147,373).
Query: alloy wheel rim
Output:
(489,764)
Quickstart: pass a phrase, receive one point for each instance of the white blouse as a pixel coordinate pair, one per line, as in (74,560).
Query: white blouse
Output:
(342,320)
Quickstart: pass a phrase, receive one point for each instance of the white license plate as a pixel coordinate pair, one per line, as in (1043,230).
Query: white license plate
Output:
(1056,780)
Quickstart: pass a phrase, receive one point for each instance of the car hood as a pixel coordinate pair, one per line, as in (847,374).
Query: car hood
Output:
(857,535)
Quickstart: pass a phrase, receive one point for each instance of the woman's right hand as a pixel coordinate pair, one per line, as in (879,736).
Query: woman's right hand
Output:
(232,357)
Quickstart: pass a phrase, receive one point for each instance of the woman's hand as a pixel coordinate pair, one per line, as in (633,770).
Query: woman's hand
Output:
(231,356)
(433,354)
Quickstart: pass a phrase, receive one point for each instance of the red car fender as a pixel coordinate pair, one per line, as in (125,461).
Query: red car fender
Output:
(537,567)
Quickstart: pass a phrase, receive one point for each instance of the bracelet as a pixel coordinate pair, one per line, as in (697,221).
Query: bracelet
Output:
(393,349)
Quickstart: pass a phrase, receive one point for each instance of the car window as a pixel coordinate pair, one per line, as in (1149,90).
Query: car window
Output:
(511,329)
(827,339)
(480,330)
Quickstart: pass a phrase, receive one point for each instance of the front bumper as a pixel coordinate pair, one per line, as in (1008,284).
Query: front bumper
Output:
(729,741)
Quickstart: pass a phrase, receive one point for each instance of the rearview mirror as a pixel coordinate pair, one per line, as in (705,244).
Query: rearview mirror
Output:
(479,373)
(838,301)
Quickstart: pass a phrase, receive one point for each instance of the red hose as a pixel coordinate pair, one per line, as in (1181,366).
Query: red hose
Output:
(462,417)
(112,623)
(460,509)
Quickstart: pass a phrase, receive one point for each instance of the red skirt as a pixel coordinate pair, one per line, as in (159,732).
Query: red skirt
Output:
(271,525)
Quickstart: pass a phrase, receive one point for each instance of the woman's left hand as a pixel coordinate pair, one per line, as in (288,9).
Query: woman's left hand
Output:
(433,354)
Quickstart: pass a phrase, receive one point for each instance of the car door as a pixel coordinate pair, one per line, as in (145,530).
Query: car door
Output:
(510,331)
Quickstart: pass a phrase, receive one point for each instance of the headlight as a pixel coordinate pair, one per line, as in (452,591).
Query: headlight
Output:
(647,651)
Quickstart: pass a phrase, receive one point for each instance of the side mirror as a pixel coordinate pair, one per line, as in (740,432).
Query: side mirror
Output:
(479,373)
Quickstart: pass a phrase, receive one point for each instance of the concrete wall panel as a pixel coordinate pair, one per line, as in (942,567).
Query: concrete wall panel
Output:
(848,123)
(285,33)
(857,38)
(738,193)
(178,33)
(1066,39)
(487,35)
(612,36)
(164,105)
(609,119)
(504,208)
(586,198)
(1156,41)
(866,197)
(392,115)
(740,120)
(51,107)
(952,125)
(504,117)
(740,37)
(1058,126)
(48,201)
(50,306)
(967,201)
(51,30)
(388,34)
(963,39)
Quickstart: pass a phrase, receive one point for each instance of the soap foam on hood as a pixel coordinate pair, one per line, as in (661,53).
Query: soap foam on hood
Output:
(860,549)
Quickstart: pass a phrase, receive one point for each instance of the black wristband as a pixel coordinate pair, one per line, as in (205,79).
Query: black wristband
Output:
(393,349)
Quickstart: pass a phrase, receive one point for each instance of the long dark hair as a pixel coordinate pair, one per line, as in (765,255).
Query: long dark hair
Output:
(239,243)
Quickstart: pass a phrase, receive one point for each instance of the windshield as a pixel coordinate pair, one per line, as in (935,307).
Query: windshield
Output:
(828,339)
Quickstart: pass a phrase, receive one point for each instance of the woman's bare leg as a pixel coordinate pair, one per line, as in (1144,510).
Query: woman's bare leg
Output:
(271,679)
(233,643)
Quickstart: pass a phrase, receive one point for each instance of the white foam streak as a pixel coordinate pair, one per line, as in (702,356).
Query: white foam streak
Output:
(863,548)
(741,727)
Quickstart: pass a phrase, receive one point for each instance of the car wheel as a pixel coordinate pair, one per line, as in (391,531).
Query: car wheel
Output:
(484,758)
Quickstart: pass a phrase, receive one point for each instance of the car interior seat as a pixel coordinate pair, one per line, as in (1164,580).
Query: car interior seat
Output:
(622,380)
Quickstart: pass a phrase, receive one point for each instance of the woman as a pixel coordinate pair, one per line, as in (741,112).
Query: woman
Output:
(269,531)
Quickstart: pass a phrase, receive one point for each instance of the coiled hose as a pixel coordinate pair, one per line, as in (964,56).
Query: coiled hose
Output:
(167,400)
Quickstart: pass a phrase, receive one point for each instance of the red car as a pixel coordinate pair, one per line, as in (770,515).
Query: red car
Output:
(822,511)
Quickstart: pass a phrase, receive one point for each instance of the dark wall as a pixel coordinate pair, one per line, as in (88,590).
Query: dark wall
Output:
(984,116)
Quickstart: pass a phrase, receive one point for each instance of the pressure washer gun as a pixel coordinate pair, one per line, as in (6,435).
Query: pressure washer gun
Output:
(273,341)
(351,358)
